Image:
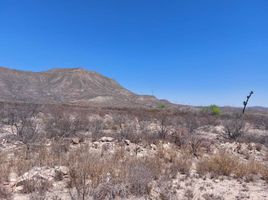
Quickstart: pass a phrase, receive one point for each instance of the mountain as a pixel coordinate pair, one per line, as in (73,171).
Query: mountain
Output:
(68,86)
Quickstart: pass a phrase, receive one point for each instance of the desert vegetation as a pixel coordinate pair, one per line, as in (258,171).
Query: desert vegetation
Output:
(67,152)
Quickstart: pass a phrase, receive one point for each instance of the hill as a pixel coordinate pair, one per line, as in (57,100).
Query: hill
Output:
(70,86)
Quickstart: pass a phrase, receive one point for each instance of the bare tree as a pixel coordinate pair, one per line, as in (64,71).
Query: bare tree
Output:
(62,124)
(194,140)
(163,128)
(23,122)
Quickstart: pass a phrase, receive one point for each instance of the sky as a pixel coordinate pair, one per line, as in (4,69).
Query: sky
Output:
(196,52)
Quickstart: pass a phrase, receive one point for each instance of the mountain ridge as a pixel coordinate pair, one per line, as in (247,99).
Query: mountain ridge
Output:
(69,85)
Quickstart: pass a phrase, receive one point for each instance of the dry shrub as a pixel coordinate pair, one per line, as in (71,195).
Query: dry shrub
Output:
(258,147)
(219,164)
(110,191)
(234,128)
(62,124)
(247,170)
(4,194)
(181,164)
(100,177)
(189,194)
(4,167)
(208,196)
(38,185)
(87,171)
(110,176)
(43,157)
(195,143)
(93,175)
(58,151)
(172,162)
(264,174)
(39,156)
(166,154)
(119,154)
(140,172)
(259,121)
(266,156)
(178,136)
(22,164)
(228,165)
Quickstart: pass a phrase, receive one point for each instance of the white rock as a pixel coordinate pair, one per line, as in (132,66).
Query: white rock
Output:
(106,139)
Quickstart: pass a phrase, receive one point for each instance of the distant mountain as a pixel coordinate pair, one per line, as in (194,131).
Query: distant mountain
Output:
(69,86)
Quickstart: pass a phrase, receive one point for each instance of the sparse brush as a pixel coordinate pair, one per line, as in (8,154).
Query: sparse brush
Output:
(228,165)
(140,173)
(219,164)
(181,164)
(234,128)
(4,193)
(4,167)
(247,170)
(167,154)
(264,174)
(38,185)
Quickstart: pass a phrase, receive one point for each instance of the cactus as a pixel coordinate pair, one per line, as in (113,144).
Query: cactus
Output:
(245,103)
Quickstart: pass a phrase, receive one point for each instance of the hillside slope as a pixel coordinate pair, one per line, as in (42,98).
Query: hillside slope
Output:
(70,86)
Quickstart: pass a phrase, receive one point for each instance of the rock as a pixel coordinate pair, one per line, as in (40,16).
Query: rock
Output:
(127,142)
(95,145)
(106,139)
(75,140)
(153,147)
(12,177)
(44,173)
(64,170)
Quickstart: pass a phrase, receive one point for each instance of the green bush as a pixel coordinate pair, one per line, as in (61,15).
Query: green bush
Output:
(212,109)
(161,106)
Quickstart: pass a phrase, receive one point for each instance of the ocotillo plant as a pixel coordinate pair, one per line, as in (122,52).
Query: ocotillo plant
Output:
(246,102)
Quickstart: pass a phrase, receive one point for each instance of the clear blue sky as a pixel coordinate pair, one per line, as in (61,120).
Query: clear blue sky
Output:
(188,51)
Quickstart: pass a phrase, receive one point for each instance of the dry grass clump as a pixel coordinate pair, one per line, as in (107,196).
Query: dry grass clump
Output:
(219,164)
(37,185)
(227,165)
(4,194)
(110,175)
(234,128)
(140,172)
(4,167)
(89,172)
(248,170)
(264,174)
(166,154)
(181,164)
(174,161)
(39,156)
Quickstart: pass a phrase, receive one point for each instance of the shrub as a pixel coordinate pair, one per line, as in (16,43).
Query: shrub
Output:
(227,165)
(246,170)
(4,194)
(181,164)
(110,191)
(213,110)
(88,170)
(195,142)
(140,174)
(234,128)
(219,164)
(264,174)
(39,185)
(4,167)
